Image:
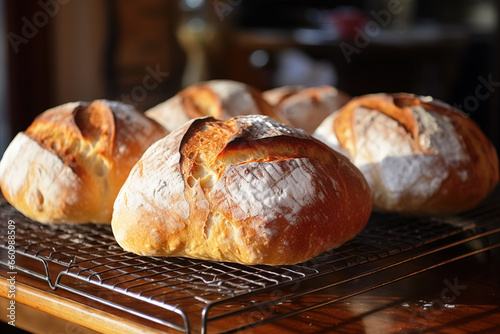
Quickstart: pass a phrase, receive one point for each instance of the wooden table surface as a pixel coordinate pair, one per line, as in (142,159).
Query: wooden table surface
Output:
(460,297)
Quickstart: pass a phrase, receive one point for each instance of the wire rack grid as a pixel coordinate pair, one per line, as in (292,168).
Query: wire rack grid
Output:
(190,295)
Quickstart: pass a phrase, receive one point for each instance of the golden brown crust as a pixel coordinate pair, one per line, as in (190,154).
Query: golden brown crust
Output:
(221,99)
(344,123)
(247,190)
(419,155)
(276,96)
(75,159)
(306,107)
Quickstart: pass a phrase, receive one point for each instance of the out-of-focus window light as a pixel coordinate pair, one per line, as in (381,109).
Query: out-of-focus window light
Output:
(196,24)
(259,58)
(188,5)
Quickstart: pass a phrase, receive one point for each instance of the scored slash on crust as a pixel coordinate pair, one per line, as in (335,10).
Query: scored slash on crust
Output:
(229,147)
(245,190)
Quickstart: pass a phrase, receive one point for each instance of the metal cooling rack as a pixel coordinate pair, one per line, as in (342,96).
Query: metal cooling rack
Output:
(193,295)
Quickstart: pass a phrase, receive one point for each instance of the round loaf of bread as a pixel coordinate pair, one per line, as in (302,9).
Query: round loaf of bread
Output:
(306,108)
(275,95)
(221,99)
(419,155)
(70,163)
(247,190)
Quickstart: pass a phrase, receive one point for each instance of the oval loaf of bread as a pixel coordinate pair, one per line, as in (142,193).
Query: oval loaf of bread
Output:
(221,99)
(70,163)
(419,155)
(306,107)
(247,190)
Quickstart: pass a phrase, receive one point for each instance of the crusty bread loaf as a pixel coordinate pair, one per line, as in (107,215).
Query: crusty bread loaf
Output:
(276,95)
(70,163)
(221,99)
(247,190)
(306,108)
(419,155)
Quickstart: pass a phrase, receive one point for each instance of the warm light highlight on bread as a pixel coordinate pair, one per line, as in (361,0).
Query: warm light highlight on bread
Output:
(419,155)
(306,107)
(70,163)
(247,190)
(221,99)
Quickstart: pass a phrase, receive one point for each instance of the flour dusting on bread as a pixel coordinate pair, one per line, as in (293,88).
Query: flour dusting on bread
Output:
(252,191)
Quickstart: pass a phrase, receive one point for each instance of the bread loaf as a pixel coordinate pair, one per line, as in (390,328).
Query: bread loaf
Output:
(306,108)
(70,163)
(419,155)
(276,95)
(247,190)
(221,99)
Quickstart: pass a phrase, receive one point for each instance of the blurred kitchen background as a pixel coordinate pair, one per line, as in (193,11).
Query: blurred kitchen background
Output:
(143,52)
